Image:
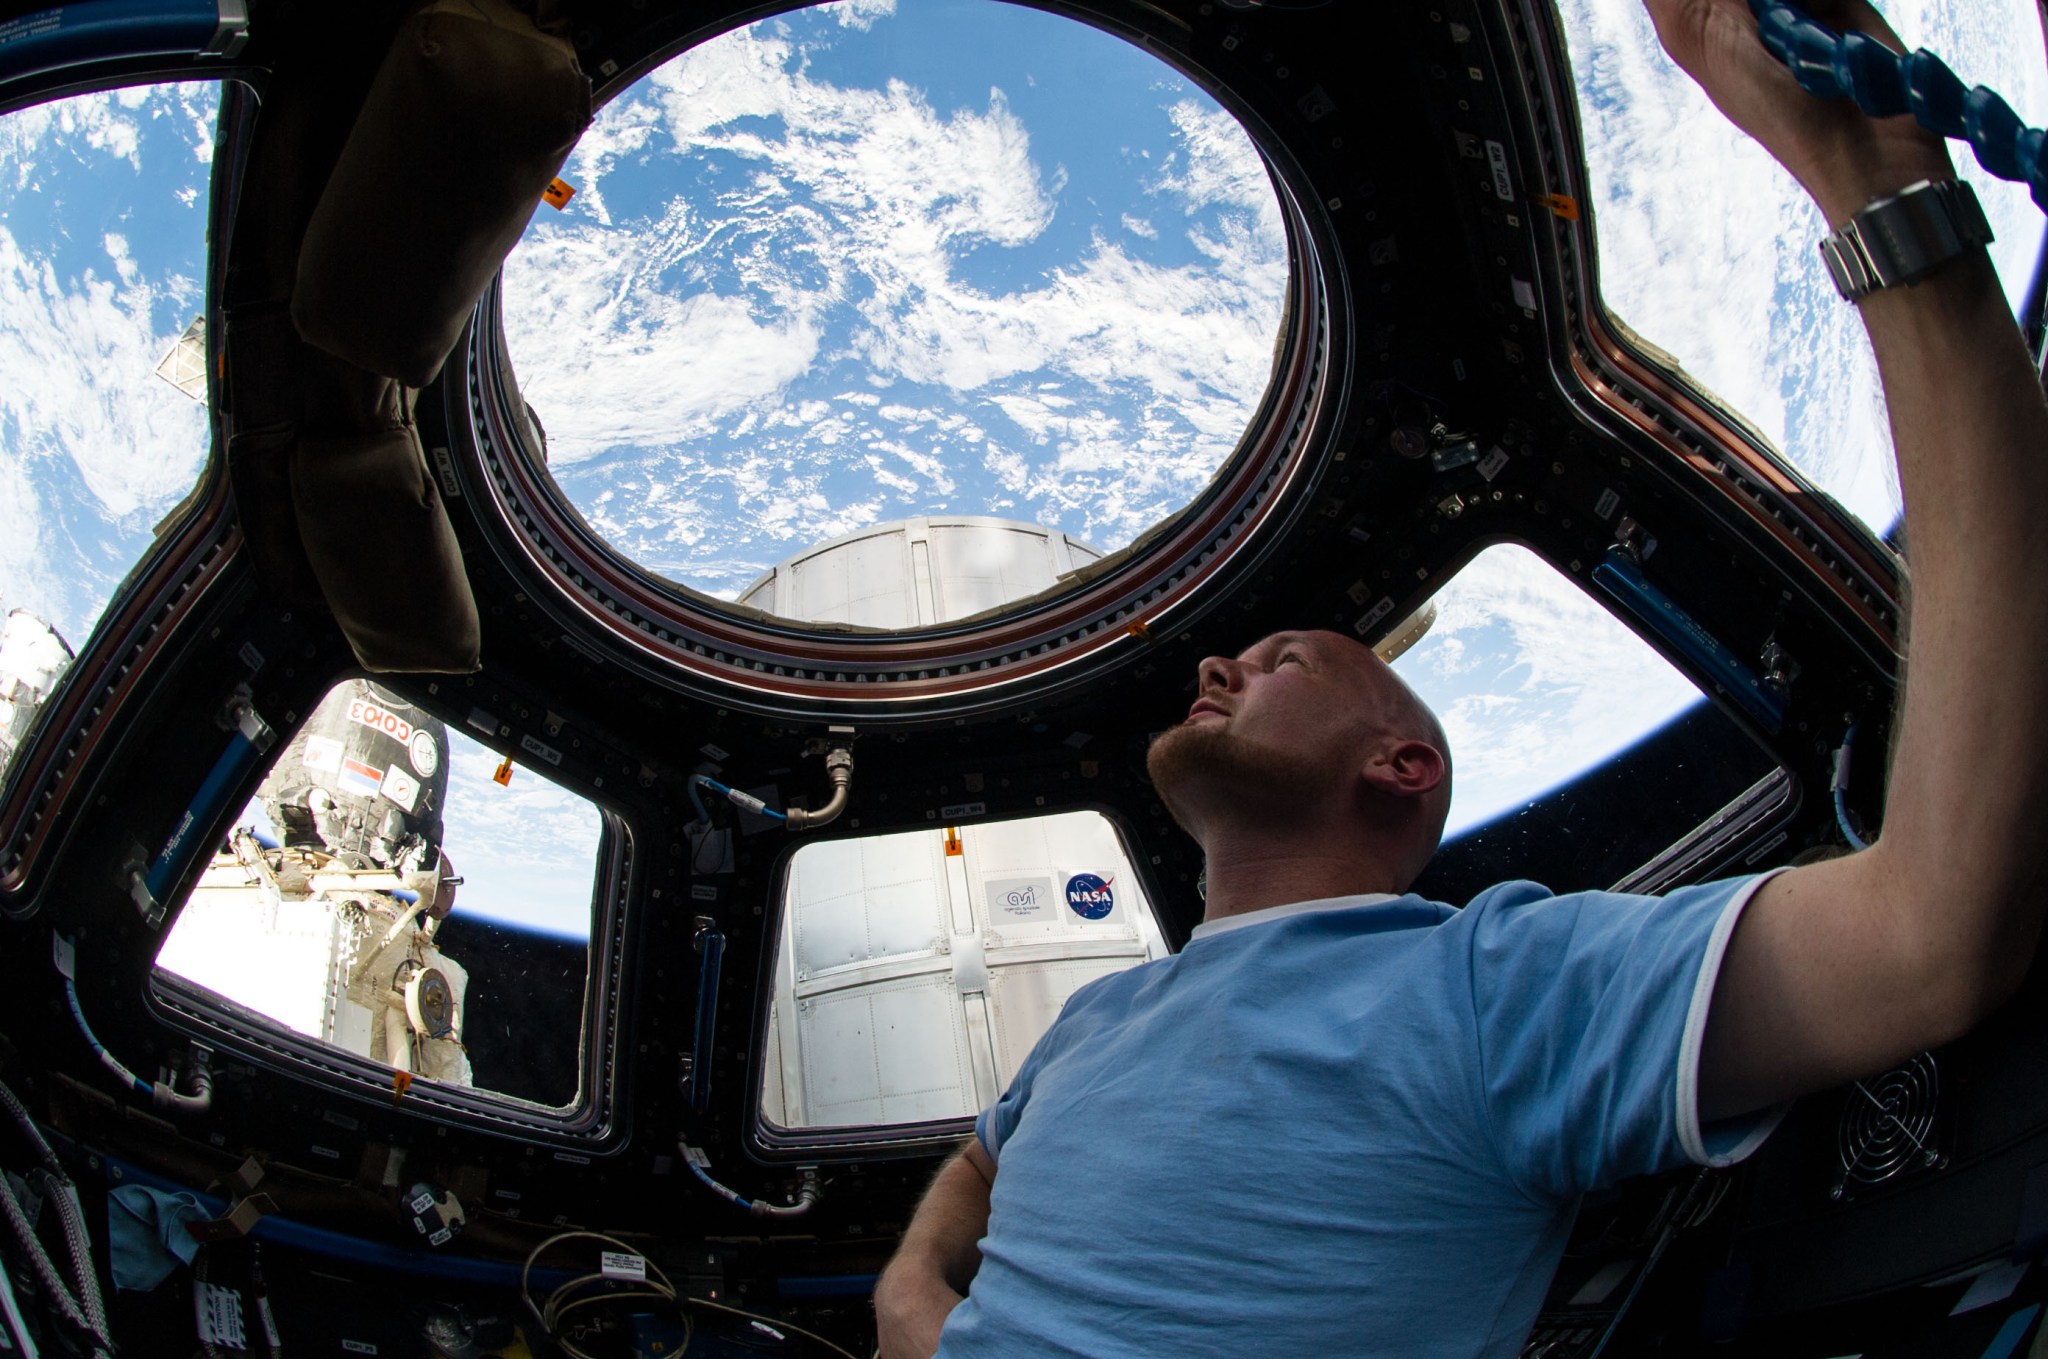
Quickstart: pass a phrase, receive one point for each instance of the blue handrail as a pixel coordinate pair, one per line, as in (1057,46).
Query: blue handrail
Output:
(1886,84)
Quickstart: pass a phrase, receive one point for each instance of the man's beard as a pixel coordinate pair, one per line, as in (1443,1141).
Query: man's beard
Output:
(1201,767)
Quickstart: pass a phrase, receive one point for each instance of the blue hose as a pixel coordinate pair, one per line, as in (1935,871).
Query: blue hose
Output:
(1885,84)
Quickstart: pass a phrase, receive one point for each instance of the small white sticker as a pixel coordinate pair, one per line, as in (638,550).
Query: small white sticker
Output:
(64,955)
(422,1203)
(964,809)
(359,1347)
(1605,506)
(442,1237)
(711,752)
(619,1265)
(1492,464)
(1497,159)
(220,1317)
(1020,899)
(445,465)
(322,753)
(1525,293)
(703,891)
(545,751)
(269,1322)
(1374,614)
(400,787)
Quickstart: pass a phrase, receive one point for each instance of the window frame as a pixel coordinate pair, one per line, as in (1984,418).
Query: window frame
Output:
(775,1144)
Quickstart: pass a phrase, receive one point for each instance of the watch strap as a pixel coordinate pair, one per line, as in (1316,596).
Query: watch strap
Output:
(1905,237)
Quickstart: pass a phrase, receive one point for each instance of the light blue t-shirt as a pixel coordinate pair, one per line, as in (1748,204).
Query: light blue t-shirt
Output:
(1351,1127)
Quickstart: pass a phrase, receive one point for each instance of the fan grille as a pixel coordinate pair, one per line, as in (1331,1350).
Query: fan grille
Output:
(1888,1124)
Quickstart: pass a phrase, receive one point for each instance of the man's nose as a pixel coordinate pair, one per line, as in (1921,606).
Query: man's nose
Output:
(1219,672)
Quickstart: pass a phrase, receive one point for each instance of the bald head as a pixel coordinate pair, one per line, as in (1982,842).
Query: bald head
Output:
(1304,722)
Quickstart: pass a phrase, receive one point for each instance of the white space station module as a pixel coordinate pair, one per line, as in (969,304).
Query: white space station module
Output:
(324,920)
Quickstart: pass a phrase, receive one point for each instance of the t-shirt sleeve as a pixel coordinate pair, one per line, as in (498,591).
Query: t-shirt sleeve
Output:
(995,1123)
(1590,1011)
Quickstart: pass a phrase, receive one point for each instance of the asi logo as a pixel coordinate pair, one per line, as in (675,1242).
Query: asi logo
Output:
(1090,896)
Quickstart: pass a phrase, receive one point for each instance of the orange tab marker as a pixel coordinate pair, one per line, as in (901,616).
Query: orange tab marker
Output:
(558,193)
(503,778)
(1563,205)
(401,1081)
(953,848)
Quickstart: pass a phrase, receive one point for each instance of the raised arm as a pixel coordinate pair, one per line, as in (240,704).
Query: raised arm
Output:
(938,1257)
(1845,967)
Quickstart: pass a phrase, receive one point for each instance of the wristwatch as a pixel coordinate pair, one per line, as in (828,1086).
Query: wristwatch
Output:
(1904,238)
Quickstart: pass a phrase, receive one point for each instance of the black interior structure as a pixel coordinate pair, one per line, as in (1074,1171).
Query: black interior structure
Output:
(1409,243)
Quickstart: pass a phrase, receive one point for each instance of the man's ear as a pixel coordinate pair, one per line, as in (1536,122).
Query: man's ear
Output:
(1408,769)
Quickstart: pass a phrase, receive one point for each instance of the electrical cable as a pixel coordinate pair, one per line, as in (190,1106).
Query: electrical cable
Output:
(561,1302)
(808,1191)
(1887,84)
(776,1322)
(549,1315)
(162,1095)
(838,769)
(113,1063)
(745,801)
(84,1310)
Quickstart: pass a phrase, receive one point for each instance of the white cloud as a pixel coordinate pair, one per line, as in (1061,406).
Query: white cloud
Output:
(1534,682)
(527,850)
(837,239)
(95,448)
(862,14)
(1707,246)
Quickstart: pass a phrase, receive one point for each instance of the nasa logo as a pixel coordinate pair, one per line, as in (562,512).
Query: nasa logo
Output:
(379,719)
(425,755)
(1090,896)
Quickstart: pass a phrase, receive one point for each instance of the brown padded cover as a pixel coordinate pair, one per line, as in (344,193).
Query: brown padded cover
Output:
(338,504)
(472,113)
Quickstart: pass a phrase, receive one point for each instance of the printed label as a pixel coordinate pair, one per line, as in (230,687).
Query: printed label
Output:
(1491,465)
(619,1265)
(963,809)
(1090,896)
(546,752)
(1020,899)
(220,1317)
(1374,614)
(400,787)
(1497,161)
(445,465)
(1606,505)
(379,719)
(322,753)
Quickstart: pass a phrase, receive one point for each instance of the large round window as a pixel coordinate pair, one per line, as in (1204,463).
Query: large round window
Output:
(874,319)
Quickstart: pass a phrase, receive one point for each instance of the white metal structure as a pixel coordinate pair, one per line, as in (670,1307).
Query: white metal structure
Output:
(918,572)
(32,659)
(327,951)
(184,365)
(915,971)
